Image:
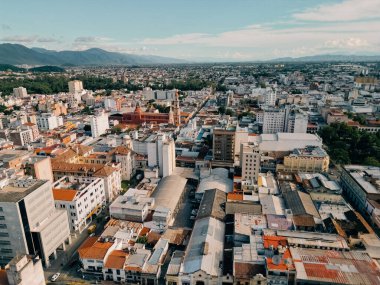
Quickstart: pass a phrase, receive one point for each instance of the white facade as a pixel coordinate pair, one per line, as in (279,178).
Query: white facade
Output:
(99,124)
(48,121)
(161,153)
(270,98)
(297,123)
(20,92)
(81,198)
(24,270)
(250,161)
(42,231)
(75,86)
(273,121)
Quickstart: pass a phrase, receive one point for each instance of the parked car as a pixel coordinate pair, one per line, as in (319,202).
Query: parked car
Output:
(55,277)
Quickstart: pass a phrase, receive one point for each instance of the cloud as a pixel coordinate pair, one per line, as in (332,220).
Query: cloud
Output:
(20,39)
(91,39)
(5,27)
(347,10)
(28,39)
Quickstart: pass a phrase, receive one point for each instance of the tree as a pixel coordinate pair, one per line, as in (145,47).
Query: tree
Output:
(222,110)
(230,112)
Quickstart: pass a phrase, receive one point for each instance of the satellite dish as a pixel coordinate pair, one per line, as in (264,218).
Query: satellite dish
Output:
(276,259)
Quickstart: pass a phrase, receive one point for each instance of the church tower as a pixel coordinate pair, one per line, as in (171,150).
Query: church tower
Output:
(176,110)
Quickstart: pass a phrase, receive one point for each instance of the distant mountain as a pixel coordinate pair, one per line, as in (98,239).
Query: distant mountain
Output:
(6,67)
(16,54)
(329,58)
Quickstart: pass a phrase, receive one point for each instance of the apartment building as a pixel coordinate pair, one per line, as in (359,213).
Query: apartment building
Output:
(48,121)
(29,222)
(82,197)
(250,158)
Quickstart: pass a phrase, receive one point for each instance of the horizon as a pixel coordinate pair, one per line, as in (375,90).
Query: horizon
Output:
(230,31)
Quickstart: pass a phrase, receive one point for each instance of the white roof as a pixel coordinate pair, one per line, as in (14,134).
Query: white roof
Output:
(205,249)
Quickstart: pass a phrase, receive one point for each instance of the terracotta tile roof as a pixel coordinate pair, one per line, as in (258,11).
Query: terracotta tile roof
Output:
(121,149)
(116,259)
(144,231)
(234,197)
(92,249)
(64,194)
(133,268)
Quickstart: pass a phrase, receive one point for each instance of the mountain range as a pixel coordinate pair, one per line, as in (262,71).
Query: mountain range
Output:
(16,54)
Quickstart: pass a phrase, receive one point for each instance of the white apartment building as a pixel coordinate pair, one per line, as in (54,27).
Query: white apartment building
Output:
(273,121)
(296,123)
(75,86)
(20,92)
(48,121)
(29,221)
(250,157)
(82,197)
(270,98)
(99,124)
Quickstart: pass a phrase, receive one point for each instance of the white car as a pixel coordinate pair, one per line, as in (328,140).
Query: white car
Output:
(55,277)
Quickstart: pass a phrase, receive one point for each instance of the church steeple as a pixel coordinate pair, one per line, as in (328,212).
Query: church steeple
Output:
(177,110)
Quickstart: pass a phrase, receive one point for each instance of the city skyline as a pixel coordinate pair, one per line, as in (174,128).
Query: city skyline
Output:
(198,30)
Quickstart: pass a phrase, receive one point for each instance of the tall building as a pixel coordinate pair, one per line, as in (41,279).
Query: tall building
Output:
(176,110)
(161,154)
(270,98)
(296,122)
(20,92)
(224,146)
(25,270)
(48,121)
(99,124)
(273,120)
(29,222)
(75,86)
(250,157)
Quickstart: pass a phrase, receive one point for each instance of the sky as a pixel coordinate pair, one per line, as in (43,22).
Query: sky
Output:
(231,30)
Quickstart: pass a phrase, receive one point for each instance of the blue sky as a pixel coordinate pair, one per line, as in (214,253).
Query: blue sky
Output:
(196,29)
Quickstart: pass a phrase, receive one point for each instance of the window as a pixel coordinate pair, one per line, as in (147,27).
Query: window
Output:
(3,226)
(4,234)
(2,218)
(5,242)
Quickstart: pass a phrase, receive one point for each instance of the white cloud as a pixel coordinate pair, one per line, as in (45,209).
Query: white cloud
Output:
(91,39)
(347,10)
(28,39)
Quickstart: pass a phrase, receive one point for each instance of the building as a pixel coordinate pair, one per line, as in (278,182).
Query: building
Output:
(75,86)
(310,159)
(39,167)
(168,197)
(224,146)
(361,184)
(48,121)
(318,266)
(203,260)
(25,270)
(250,158)
(296,122)
(43,231)
(139,117)
(270,98)
(99,124)
(82,197)
(20,92)
(273,120)
(21,137)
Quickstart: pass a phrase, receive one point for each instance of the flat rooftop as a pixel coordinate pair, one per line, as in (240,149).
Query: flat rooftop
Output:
(368,177)
(16,190)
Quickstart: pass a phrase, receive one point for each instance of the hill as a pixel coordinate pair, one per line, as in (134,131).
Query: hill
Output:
(6,67)
(47,68)
(16,54)
(329,58)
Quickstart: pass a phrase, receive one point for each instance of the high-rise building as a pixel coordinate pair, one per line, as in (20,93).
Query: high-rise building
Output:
(75,86)
(20,92)
(99,124)
(29,222)
(273,120)
(250,157)
(161,153)
(270,98)
(224,145)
